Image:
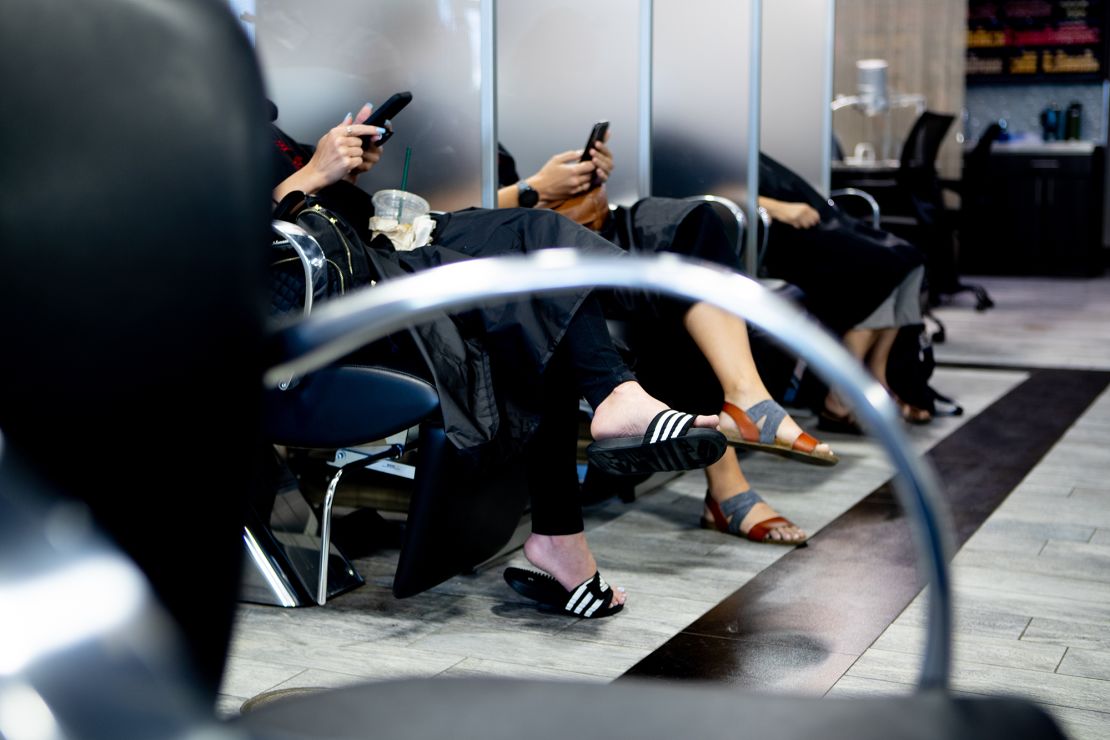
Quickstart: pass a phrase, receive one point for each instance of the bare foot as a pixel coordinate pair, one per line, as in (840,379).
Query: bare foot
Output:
(567,558)
(836,407)
(910,413)
(628,410)
(787,432)
(761,512)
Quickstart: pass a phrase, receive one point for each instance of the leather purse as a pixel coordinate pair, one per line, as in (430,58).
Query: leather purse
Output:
(591,208)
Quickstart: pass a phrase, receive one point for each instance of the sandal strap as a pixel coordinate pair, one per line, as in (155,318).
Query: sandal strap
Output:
(805,442)
(592,594)
(773,416)
(749,432)
(668,424)
(738,507)
(760,531)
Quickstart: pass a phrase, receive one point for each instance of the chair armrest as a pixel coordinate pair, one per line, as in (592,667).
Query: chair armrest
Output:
(727,210)
(311,256)
(857,193)
(765,219)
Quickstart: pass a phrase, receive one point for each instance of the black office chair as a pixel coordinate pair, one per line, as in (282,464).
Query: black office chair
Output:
(911,196)
(972,229)
(122,346)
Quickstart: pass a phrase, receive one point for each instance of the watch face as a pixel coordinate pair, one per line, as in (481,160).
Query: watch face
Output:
(527,197)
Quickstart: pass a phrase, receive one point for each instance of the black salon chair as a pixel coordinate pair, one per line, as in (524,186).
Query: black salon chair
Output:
(148,345)
(457,517)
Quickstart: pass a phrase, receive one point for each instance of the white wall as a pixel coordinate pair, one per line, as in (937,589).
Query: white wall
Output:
(700,97)
(798,38)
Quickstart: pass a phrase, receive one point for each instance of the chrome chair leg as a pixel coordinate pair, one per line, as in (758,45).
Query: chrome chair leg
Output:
(325,538)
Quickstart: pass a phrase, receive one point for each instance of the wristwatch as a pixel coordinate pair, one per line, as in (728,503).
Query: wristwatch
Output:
(526,195)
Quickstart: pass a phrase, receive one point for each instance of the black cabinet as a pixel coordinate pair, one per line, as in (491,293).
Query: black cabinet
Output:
(1033,212)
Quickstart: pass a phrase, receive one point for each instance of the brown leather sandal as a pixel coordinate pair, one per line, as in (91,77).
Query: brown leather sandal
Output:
(737,508)
(751,436)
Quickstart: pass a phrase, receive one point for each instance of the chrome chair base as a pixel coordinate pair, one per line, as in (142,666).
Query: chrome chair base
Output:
(283,557)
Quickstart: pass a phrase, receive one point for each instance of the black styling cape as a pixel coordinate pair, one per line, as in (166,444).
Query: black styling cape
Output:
(845,267)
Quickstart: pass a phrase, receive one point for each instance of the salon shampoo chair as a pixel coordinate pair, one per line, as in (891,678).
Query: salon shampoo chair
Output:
(456,518)
(120,549)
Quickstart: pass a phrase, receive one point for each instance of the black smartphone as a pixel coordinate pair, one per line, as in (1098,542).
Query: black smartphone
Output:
(385,112)
(596,134)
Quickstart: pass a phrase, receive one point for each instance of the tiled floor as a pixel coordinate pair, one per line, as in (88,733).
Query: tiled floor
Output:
(1033,594)
(1033,589)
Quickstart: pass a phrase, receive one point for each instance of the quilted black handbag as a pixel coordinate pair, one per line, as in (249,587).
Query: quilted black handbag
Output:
(345,262)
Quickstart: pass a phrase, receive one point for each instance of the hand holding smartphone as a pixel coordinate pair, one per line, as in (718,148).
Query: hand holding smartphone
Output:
(596,134)
(383,113)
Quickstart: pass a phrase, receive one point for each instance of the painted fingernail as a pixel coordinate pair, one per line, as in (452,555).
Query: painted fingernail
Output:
(349,115)
(380,130)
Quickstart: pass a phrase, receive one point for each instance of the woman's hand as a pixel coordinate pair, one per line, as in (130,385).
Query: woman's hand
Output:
(561,177)
(798,215)
(339,156)
(602,157)
(372,153)
(339,152)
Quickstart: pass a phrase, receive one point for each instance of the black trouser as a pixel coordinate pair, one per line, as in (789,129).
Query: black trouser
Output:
(584,365)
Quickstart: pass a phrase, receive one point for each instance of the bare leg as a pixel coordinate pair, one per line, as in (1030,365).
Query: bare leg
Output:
(880,353)
(567,558)
(872,348)
(723,338)
(877,361)
(628,411)
(859,343)
(726,479)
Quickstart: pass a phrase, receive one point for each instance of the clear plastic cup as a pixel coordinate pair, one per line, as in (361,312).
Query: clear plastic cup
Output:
(401,205)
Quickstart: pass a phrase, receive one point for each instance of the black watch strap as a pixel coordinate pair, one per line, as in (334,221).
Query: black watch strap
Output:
(526,195)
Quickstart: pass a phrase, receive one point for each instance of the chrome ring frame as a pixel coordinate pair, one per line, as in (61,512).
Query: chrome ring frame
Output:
(341,326)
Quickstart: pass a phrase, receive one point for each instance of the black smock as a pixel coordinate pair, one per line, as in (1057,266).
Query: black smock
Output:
(845,267)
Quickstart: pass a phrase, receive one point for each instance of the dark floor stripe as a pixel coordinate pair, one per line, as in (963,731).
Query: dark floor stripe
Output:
(802,622)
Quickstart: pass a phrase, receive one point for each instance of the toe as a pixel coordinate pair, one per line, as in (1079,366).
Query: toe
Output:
(707,422)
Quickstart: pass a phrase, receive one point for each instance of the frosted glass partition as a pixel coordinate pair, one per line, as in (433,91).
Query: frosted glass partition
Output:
(561,66)
(700,90)
(322,60)
(797,86)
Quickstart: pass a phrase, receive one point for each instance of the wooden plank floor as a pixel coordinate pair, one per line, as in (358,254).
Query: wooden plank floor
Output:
(1033,583)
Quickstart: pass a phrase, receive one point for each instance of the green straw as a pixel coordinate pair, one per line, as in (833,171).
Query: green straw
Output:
(404,179)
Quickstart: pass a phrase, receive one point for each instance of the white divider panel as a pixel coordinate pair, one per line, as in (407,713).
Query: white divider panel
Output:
(562,65)
(798,39)
(322,60)
(700,111)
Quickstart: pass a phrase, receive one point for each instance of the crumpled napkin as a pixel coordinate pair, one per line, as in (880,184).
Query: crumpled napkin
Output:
(405,237)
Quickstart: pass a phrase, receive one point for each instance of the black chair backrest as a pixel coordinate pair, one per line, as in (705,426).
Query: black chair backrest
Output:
(977,158)
(133,236)
(919,153)
(731,226)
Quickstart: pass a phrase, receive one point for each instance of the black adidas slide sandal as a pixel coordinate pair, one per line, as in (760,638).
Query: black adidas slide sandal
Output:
(591,599)
(670,443)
